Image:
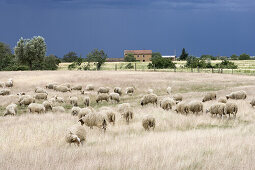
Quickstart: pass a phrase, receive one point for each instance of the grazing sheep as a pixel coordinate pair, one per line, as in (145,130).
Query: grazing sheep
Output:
(78,87)
(167,103)
(110,115)
(182,107)
(149,98)
(11,109)
(58,109)
(83,112)
(115,97)
(85,92)
(40,90)
(237,95)
(103,90)
(36,108)
(66,85)
(231,108)
(126,111)
(9,83)
(195,107)
(59,99)
(73,101)
(21,94)
(222,100)
(75,111)
(26,100)
(2,84)
(41,96)
(47,105)
(217,109)
(86,101)
(169,90)
(102,97)
(150,91)
(209,96)
(90,87)
(130,90)
(52,100)
(148,122)
(118,90)
(62,88)
(50,85)
(76,134)
(124,107)
(4,92)
(178,98)
(252,102)
(94,119)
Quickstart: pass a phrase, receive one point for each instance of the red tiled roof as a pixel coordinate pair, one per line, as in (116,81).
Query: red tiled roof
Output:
(137,52)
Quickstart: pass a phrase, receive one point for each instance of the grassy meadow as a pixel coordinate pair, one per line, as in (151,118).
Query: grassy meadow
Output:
(33,141)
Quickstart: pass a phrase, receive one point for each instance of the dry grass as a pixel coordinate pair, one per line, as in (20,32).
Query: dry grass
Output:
(32,141)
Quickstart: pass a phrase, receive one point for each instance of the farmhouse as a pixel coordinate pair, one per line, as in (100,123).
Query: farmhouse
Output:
(140,55)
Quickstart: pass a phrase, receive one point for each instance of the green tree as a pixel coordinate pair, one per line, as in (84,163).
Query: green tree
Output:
(226,64)
(244,57)
(207,57)
(234,57)
(6,57)
(31,52)
(70,57)
(194,62)
(51,62)
(155,55)
(97,56)
(161,63)
(184,55)
(129,58)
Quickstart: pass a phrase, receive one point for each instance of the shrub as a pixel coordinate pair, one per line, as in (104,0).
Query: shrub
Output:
(129,58)
(161,63)
(71,66)
(129,66)
(226,64)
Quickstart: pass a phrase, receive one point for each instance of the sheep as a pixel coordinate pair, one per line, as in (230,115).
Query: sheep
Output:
(102,97)
(41,96)
(222,100)
(252,102)
(86,101)
(11,109)
(62,88)
(178,98)
(231,108)
(195,107)
(47,105)
(73,100)
(26,100)
(78,87)
(58,109)
(40,90)
(130,90)
(115,97)
(110,115)
(84,92)
(149,98)
(94,119)
(35,107)
(150,91)
(4,92)
(126,111)
(237,95)
(76,134)
(52,100)
(169,90)
(2,84)
(148,122)
(66,85)
(182,108)
(21,96)
(167,103)
(103,90)
(9,83)
(50,85)
(59,99)
(209,96)
(217,109)
(117,90)
(75,111)
(83,112)
(90,87)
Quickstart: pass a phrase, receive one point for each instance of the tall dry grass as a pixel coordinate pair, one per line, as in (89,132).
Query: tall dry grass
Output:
(31,141)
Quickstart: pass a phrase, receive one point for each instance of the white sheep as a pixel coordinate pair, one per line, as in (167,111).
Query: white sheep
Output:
(222,100)
(252,102)
(217,109)
(66,85)
(126,111)
(26,100)
(103,90)
(2,84)
(130,90)
(4,92)
(62,88)
(110,115)
(47,105)
(9,83)
(50,85)
(149,98)
(85,92)
(115,97)
(195,107)
(94,119)
(84,111)
(40,90)
(58,109)
(75,111)
(231,108)
(101,97)
(167,103)
(41,96)
(150,91)
(11,109)
(90,87)
(36,108)
(209,96)
(76,134)
(118,90)
(148,122)
(86,101)
(237,95)
(178,97)
(169,90)
(59,99)
(77,87)
(73,100)
(182,107)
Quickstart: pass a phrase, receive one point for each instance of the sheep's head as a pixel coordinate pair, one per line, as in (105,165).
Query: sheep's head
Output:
(227,97)
(81,121)
(207,111)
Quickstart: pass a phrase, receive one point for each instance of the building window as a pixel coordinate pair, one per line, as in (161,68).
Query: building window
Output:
(143,56)
(143,60)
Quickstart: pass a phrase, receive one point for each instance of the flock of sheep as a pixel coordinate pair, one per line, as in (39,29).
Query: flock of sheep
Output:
(104,116)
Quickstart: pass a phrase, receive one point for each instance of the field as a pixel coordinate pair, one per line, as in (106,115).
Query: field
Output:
(31,141)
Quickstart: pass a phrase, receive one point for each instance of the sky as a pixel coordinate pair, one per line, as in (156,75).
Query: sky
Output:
(215,27)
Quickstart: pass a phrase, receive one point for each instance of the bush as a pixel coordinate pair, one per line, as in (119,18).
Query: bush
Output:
(244,57)
(129,58)
(161,63)
(129,66)
(71,66)
(226,64)
(194,62)
(51,63)
(86,67)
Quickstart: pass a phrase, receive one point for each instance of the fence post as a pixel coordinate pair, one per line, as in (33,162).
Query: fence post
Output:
(115,67)
(175,69)
(232,71)
(212,70)
(192,69)
(198,69)
(135,66)
(221,70)
(154,67)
